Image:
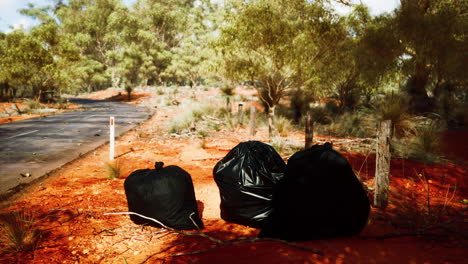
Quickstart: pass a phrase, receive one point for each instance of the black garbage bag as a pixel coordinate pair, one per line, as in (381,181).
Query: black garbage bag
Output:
(319,197)
(165,194)
(247,177)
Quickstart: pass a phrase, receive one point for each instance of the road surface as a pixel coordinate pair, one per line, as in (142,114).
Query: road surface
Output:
(31,148)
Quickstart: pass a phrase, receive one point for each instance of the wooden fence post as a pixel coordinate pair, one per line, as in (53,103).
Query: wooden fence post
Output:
(382,164)
(252,120)
(240,113)
(309,131)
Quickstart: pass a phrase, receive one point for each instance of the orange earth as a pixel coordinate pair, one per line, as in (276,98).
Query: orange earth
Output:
(70,208)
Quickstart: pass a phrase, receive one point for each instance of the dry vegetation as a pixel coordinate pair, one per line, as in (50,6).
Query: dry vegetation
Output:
(66,221)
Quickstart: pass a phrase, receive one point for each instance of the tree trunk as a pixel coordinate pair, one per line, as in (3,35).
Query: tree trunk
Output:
(114,79)
(271,121)
(129,95)
(382,169)
(416,87)
(240,114)
(252,120)
(309,131)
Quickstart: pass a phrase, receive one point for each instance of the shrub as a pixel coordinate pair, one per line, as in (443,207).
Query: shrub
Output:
(421,143)
(186,121)
(227,90)
(18,232)
(113,169)
(321,115)
(283,126)
(278,144)
(348,125)
(393,107)
(33,105)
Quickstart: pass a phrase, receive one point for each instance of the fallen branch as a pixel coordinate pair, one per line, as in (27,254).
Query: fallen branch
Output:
(218,243)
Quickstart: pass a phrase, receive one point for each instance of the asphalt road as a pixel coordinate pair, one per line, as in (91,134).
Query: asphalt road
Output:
(35,147)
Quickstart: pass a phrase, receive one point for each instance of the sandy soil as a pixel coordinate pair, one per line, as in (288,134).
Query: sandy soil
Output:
(70,206)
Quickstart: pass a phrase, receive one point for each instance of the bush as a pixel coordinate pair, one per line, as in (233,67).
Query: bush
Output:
(113,169)
(192,117)
(321,115)
(33,105)
(18,232)
(283,126)
(421,143)
(348,125)
(393,107)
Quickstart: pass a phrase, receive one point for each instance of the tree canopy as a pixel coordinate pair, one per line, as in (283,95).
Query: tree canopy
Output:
(301,49)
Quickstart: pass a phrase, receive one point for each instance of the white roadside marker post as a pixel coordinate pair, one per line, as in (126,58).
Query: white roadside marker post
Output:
(112,136)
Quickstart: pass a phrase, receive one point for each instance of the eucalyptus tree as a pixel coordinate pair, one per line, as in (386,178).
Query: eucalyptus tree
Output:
(351,71)
(37,61)
(193,60)
(95,27)
(425,40)
(277,45)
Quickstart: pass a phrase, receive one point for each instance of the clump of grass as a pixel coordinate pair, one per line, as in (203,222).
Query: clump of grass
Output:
(321,115)
(348,124)
(421,143)
(203,143)
(187,121)
(227,90)
(393,107)
(18,232)
(32,105)
(278,144)
(62,103)
(283,126)
(113,169)
(160,91)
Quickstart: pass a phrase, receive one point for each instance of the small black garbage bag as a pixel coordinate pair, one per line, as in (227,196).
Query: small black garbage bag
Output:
(319,197)
(165,194)
(247,177)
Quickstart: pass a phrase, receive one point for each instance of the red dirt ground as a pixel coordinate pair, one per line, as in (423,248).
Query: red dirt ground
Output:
(69,207)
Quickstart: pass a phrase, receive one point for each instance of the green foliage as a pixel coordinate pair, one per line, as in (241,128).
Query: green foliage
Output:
(423,42)
(275,45)
(18,232)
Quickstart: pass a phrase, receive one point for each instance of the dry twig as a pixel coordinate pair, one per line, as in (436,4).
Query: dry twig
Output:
(217,242)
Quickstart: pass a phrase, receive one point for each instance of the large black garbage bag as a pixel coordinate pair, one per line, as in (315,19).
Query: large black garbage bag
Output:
(247,177)
(319,197)
(165,194)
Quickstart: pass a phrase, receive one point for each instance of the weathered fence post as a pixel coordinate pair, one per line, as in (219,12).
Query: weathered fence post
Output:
(252,120)
(382,164)
(309,131)
(240,113)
